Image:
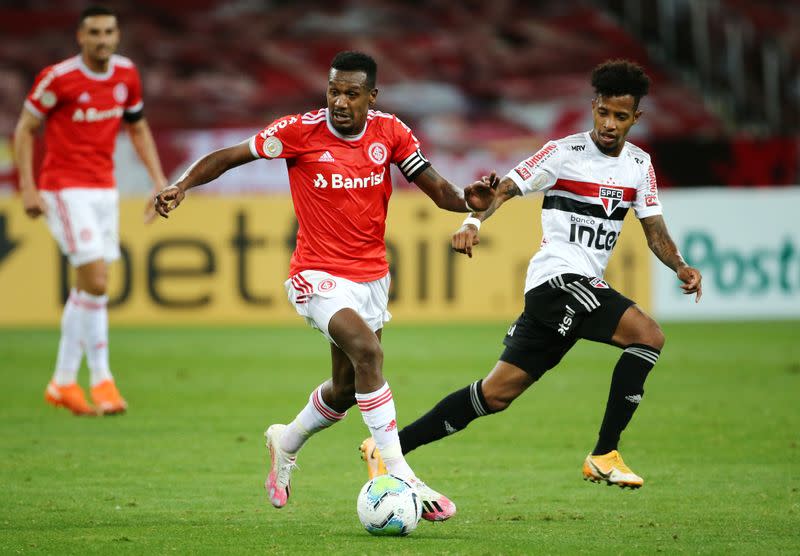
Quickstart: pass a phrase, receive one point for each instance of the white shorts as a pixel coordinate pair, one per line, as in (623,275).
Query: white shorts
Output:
(317,296)
(85,223)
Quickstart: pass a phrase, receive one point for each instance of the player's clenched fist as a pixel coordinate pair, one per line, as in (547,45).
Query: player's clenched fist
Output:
(464,238)
(168,199)
(480,194)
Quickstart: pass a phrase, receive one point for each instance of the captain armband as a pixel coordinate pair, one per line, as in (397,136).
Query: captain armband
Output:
(414,165)
(133,117)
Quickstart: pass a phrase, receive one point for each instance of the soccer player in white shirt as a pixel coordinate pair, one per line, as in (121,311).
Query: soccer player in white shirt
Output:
(590,180)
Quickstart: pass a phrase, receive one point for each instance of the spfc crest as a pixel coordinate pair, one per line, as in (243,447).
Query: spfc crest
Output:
(611,197)
(598,283)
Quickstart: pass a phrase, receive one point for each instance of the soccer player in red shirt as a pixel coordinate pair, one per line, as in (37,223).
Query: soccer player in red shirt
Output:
(84,99)
(338,161)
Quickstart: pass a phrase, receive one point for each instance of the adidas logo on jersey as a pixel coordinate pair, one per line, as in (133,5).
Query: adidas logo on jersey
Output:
(326,157)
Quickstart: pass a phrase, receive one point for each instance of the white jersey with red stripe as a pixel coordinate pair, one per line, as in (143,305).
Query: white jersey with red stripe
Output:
(587,195)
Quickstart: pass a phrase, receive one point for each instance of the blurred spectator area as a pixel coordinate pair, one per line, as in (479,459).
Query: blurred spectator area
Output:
(501,76)
(744,55)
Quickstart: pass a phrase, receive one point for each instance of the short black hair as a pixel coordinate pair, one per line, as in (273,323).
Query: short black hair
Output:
(615,78)
(91,11)
(357,61)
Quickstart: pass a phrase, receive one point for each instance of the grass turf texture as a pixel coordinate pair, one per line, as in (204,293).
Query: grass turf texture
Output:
(716,440)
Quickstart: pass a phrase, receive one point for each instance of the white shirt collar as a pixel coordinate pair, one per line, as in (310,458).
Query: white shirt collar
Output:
(93,74)
(341,136)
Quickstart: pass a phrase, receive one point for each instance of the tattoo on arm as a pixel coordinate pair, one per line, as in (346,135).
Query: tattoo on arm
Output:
(505,191)
(660,242)
(443,193)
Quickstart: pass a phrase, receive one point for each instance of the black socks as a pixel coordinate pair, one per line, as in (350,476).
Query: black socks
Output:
(450,415)
(627,388)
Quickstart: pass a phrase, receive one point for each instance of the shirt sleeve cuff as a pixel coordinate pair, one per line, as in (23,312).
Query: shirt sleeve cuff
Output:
(135,108)
(517,179)
(649,211)
(252,144)
(33,110)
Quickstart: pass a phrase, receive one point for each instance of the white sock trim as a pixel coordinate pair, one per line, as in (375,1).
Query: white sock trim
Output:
(324,409)
(373,400)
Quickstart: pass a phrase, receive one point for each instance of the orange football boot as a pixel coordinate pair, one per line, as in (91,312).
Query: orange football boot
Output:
(611,469)
(69,396)
(107,398)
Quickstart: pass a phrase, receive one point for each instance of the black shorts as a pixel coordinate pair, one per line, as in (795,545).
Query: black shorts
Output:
(557,314)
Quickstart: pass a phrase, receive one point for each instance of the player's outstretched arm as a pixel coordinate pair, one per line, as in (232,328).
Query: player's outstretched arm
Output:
(145,146)
(24,133)
(204,170)
(661,244)
(475,197)
(467,235)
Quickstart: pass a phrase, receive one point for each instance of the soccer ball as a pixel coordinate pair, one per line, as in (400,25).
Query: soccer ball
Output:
(388,505)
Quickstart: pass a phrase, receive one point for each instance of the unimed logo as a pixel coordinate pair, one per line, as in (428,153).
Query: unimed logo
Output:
(732,269)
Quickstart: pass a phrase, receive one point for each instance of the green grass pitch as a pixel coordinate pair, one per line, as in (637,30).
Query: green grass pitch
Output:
(716,438)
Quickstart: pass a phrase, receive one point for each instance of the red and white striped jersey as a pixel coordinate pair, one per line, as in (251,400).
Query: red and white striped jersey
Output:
(83,111)
(340,188)
(587,195)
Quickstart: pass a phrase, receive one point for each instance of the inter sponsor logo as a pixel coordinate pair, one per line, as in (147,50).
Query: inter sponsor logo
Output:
(600,239)
(95,115)
(610,197)
(338,181)
(588,220)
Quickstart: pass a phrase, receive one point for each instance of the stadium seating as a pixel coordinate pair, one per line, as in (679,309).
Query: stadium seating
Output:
(462,73)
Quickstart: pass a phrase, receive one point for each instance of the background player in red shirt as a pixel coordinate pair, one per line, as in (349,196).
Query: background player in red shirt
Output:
(338,162)
(84,100)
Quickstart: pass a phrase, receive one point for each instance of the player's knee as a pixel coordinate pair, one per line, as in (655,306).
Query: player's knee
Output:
(653,336)
(96,285)
(643,330)
(497,400)
(368,357)
(658,338)
(93,281)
